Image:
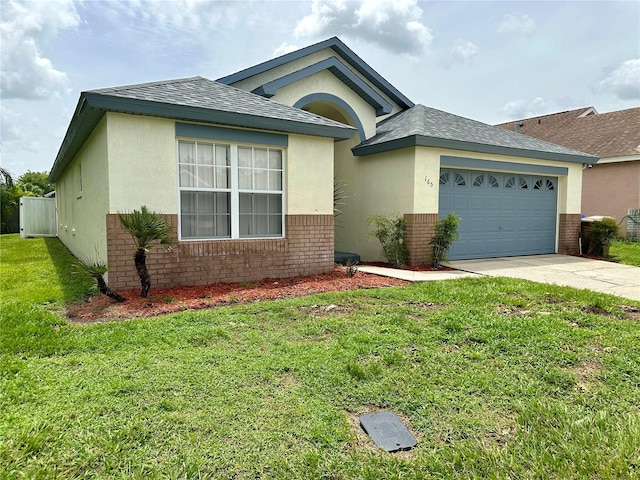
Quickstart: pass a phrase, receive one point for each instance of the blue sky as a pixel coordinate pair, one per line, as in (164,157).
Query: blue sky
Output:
(490,61)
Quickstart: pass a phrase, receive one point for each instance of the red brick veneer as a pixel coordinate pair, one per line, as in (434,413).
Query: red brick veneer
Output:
(420,230)
(569,233)
(306,250)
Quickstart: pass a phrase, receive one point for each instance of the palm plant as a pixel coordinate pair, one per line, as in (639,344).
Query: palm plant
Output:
(146,227)
(97,270)
(5,177)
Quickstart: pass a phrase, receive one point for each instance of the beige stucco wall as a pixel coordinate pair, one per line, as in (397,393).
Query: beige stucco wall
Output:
(81,214)
(407,181)
(375,185)
(142,163)
(309,175)
(611,189)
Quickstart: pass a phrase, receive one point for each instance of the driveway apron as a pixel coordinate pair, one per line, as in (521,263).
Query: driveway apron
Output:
(578,272)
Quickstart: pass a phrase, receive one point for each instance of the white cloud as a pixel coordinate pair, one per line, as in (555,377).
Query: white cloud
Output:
(393,24)
(463,51)
(624,81)
(285,48)
(25,72)
(519,109)
(522,24)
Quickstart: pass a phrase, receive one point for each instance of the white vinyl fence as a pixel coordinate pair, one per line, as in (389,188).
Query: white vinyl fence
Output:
(38,217)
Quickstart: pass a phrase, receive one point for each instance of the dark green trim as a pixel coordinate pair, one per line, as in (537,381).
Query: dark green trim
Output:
(341,72)
(327,97)
(463,162)
(92,106)
(341,49)
(185,112)
(231,134)
(424,141)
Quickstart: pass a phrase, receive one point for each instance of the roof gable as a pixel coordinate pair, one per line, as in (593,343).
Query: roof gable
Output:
(344,52)
(429,127)
(338,69)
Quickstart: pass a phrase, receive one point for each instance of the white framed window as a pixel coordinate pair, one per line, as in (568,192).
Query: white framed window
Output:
(230,190)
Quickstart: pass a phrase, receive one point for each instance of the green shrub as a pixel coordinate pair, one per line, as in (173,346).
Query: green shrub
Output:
(601,235)
(390,233)
(446,234)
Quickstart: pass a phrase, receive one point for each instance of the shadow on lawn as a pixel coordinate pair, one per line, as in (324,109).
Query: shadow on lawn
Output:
(73,281)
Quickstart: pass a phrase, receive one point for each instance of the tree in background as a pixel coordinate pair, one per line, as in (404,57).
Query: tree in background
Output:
(35,184)
(9,198)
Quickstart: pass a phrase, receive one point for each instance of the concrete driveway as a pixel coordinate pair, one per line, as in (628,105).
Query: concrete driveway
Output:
(596,275)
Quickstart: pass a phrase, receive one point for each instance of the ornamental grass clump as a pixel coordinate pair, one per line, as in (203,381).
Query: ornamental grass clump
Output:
(146,228)
(390,233)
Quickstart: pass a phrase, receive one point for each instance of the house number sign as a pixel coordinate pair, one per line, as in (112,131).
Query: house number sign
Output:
(428,181)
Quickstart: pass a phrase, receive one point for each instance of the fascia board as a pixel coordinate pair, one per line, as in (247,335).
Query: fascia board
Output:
(424,141)
(341,72)
(83,122)
(187,112)
(341,49)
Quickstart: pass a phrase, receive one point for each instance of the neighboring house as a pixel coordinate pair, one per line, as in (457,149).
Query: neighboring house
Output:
(611,186)
(244,167)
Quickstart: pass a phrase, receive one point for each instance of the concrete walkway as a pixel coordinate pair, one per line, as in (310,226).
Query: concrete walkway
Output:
(565,270)
(415,277)
(578,272)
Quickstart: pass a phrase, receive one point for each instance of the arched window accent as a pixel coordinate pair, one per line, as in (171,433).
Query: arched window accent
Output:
(444,178)
(510,183)
(522,183)
(550,185)
(538,184)
(459,180)
(493,182)
(479,180)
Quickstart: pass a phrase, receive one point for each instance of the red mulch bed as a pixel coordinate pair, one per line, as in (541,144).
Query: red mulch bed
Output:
(162,301)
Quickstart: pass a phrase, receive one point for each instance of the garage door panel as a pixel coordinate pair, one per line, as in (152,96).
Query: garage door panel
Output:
(493,203)
(501,214)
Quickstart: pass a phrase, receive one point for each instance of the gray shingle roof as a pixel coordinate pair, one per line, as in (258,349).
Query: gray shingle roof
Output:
(612,134)
(427,126)
(202,93)
(195,99)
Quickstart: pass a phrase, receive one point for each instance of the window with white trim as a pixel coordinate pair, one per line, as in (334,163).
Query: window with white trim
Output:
(230,191)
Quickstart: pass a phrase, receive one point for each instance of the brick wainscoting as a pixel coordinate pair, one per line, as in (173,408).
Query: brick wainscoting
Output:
(306,250)
(420,229)
(569,233)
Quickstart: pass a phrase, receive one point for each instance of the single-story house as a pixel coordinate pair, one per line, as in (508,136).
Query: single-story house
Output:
(244,168)
(612,186)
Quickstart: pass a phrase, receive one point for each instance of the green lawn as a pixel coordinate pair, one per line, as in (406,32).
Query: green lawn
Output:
(626,252)
(497,378)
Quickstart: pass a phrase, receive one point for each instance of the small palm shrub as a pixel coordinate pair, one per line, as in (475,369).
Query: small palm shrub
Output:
(146,228)
(390,233)
(446,234)
(97,269)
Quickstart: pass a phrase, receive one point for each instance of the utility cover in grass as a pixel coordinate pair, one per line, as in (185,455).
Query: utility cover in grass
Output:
(387,431)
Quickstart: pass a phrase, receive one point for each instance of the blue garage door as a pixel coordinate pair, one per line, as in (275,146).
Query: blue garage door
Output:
(501,214)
